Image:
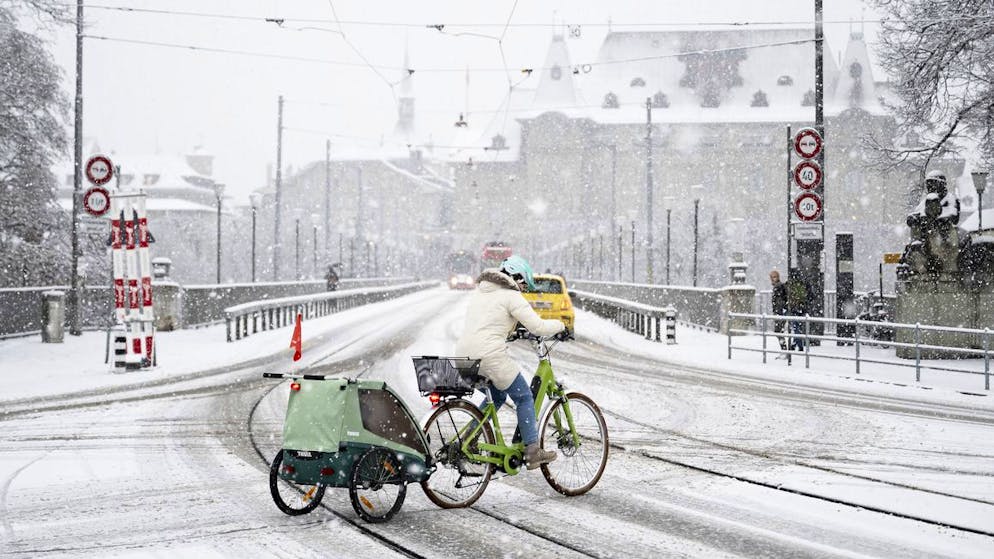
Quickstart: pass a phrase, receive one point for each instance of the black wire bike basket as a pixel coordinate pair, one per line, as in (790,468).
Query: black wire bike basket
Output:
(447,376)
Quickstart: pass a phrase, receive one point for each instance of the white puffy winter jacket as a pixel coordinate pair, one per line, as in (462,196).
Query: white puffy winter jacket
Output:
(494,310)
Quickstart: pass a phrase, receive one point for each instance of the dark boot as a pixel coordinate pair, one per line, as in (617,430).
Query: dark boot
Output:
(535,456)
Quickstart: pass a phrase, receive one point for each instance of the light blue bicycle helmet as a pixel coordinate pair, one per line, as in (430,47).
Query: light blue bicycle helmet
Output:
(515,265)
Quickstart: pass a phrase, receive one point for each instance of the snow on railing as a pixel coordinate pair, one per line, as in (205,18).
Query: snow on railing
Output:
(269,314)
(634,317)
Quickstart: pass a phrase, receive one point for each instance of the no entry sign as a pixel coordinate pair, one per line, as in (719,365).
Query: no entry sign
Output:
(807,143)
(96,201)
(807,175)
(99,170)
(807,206)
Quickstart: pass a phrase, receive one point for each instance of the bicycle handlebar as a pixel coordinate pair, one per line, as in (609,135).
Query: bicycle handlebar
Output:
(522,334)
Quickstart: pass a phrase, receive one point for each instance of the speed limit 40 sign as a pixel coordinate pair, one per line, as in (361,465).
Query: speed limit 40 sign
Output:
(807,175)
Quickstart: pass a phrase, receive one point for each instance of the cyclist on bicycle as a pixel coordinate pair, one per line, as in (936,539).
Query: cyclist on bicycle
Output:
(495,308)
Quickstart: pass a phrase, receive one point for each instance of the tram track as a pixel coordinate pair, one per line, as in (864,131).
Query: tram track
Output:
(874,405)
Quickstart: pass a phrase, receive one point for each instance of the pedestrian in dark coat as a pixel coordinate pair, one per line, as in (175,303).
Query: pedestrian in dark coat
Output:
(797,305)
(778,299)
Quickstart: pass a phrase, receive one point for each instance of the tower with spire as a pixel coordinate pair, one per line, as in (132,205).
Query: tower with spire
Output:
(404,130)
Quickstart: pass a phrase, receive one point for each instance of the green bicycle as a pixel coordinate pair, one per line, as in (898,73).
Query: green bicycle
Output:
(466,445)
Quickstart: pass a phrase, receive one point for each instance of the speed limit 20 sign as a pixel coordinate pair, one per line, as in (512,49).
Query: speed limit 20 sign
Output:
(807,206)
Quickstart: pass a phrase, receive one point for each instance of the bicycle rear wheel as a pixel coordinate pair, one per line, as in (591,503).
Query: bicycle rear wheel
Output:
(582,450)
(457,481)
(292,498)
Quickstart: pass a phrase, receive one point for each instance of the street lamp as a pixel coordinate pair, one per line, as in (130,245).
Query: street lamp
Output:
(314,243)
(218,194)
(697,207)
(296,220)
(980,184)
(254,199)
(669,219)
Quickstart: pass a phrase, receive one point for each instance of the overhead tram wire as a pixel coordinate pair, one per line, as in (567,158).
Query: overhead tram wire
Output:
(526,70)
(441,25)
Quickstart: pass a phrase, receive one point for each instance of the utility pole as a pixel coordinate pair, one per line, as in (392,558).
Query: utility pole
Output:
(697,205)
(75,327)
(648,190)
(359,217)
(669,212)
(327,198)
(633,251)
(279,191)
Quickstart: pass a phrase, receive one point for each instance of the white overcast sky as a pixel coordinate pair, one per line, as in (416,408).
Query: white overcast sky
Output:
(141,99)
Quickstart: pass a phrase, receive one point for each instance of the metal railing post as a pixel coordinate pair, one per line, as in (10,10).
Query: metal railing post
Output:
(807,342)
(918,352)
(856,338)
(227,326)
(729,331)
(987,358)
(763,328)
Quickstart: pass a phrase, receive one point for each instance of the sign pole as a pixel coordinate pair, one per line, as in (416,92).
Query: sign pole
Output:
(790,205)
(75,327)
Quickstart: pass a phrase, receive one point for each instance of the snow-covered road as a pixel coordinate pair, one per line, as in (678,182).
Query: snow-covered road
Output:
(704,464)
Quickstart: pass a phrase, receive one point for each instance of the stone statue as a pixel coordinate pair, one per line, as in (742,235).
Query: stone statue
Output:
(934,246)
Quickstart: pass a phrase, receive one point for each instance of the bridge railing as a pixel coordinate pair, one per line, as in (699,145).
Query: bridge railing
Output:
(647,320)
(250,318)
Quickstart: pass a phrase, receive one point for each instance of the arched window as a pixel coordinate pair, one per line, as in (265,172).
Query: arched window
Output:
(637,82)
(785,80)
(610,101)
(759,99)
(660,101)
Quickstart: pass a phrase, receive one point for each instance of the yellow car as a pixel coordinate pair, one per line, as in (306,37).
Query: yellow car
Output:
(551,300)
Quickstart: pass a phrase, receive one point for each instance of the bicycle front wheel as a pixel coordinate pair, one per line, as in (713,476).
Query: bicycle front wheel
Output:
(577,431)
(457,481)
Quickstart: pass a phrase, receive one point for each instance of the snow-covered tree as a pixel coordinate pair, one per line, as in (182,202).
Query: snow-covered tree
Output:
(940,55)
(33,247)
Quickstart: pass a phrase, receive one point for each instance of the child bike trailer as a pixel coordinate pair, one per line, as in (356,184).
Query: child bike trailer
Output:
(346,433)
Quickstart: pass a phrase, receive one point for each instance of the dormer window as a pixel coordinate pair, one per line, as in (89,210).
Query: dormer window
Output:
(785,80)
(610,101)
(660,101)
(498,142)
(637,82)
(809,99)
(759,99)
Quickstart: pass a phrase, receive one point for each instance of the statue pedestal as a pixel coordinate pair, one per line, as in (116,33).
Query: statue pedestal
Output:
(941,302)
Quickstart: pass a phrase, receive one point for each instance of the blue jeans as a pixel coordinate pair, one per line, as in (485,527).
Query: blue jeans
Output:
(521,395)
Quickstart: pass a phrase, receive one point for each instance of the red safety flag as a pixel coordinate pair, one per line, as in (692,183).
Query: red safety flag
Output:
(295,340)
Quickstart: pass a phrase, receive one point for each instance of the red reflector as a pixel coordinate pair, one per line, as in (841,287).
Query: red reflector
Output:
(288,469)
(434,398)
(294,386)
(327,471)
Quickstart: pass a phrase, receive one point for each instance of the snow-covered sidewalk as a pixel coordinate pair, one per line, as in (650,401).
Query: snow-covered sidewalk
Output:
(700,349)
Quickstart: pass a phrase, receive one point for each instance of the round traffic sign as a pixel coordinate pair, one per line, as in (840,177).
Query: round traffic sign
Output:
(99,170)
(807,175)
(96,201)
(807,206)
(807,143)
